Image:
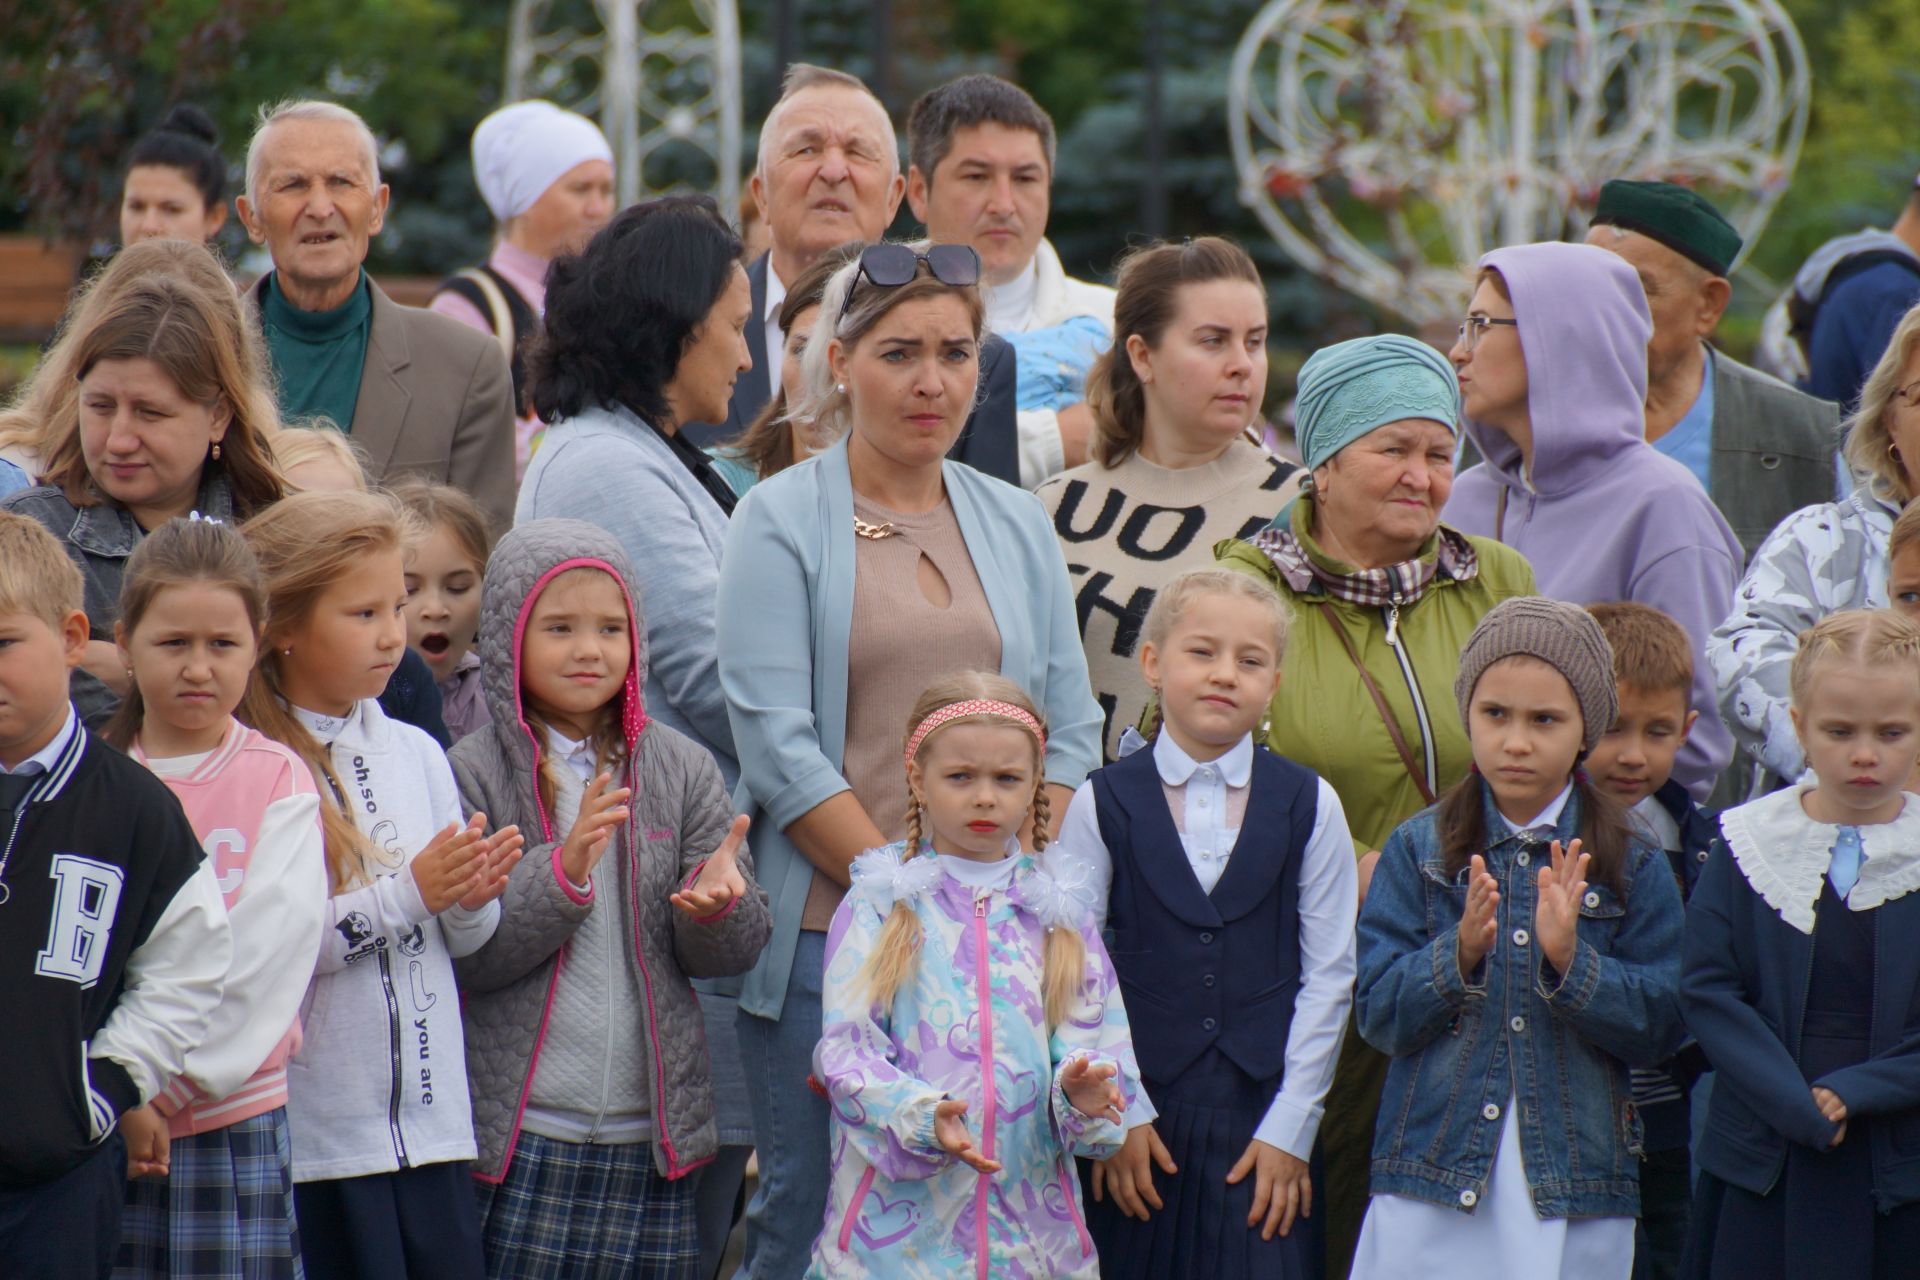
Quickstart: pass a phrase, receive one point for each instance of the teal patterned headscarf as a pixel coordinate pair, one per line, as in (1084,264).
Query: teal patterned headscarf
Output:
(1349,388)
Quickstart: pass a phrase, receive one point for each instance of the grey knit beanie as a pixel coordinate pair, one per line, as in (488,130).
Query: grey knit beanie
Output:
(1563,636)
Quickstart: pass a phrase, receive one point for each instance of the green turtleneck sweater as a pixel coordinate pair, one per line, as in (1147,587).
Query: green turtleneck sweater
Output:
(317,355)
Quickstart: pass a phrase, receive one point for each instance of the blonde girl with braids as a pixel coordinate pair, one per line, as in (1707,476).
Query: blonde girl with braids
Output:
(1224,876)
(377,1095)
(974,1040)
(1801,958)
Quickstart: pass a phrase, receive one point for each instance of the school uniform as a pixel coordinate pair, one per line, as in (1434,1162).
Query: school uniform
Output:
(1678,827)
(1802,970)
(113,948)
(225,1208)
(1228,892)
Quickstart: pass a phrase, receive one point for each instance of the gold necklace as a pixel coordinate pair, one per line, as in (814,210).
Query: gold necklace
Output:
(874,532)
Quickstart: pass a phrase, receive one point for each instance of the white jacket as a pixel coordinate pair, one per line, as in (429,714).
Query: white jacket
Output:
(380,1082)
(1057,298)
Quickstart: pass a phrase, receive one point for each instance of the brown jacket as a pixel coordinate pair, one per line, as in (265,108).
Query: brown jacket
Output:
(436,400)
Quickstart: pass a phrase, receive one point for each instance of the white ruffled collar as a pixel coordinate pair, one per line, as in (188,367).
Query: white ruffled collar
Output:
(1784,855)
(886,876)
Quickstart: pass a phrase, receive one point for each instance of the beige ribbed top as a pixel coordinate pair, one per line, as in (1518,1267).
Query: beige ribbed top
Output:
(900,643)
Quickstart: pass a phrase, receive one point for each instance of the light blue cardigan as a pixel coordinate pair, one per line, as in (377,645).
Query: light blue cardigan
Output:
(785,611)
(607,467)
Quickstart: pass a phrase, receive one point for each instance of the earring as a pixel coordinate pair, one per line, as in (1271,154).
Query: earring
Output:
(288,651)
(840,387)
(216,451)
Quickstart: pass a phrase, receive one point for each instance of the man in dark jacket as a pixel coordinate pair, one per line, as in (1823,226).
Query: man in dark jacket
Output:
(1761,449)
(829,173)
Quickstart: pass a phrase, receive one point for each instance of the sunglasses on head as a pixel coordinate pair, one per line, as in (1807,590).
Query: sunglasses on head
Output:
(892,265)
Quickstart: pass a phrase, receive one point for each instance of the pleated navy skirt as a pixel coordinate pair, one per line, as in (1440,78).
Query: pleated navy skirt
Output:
(1207,1118)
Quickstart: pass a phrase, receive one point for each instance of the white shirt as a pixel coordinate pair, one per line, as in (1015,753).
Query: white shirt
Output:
(42,761)
(776,336)
(1548,818)
(977,875)
(1328,903)
(1010,305)
(1659,824)
(577,756)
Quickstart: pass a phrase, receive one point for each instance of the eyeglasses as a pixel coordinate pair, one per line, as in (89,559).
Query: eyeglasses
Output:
(1474,328)
(892,265)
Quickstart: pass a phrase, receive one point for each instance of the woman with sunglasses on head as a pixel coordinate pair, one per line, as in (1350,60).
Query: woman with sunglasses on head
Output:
(1174,469)
(853,580)
(1820,560)
(1555,398)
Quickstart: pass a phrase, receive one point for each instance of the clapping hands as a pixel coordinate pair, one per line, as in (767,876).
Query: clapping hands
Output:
(720,882)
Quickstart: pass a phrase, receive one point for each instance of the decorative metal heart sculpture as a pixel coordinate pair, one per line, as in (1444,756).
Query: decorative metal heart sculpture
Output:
(1387,144)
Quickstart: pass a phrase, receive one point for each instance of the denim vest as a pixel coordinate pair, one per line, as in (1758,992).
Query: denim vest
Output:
(1200,970)
(1558,1045)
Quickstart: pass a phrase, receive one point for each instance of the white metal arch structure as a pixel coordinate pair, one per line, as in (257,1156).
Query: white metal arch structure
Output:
(663,79)
(1387,144)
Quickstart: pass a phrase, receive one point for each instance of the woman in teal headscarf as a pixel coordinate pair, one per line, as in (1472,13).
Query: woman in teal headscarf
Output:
(1383,598)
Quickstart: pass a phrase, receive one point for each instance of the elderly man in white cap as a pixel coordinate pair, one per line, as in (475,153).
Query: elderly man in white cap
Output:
(547,175)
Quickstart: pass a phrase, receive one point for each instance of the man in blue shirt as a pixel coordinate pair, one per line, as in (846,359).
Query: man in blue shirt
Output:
(1859,310)
(1761,449)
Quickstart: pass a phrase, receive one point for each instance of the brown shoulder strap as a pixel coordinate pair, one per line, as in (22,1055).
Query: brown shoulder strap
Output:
(1411,765)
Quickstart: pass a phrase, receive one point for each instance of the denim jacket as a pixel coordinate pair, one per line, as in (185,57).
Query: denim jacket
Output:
(1558,1045)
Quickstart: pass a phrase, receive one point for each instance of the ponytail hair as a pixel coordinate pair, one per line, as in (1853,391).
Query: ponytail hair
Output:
(180,553)
(896,951)
(1149,296)
(306,543)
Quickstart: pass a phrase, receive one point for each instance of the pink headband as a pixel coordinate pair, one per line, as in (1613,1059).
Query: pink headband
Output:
(974,707)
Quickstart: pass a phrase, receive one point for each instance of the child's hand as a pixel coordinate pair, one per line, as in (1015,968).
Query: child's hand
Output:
(1479,921)
(1365,868)
(1128,1174)
(1556,917)
(503,855)
(602,809)
(451,866)
(1282,1191)
(954,1139)
(1092,1090)
(1834,1110)
(719,882)
(148,1146)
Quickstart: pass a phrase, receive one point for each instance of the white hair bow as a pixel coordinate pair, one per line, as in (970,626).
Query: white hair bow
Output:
(886,876)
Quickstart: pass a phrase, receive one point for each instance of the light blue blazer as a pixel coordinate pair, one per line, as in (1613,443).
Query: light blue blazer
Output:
(784,614)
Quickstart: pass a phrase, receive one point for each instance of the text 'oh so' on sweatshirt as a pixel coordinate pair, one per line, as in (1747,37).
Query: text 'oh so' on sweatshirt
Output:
(1600,514)
(380,1082)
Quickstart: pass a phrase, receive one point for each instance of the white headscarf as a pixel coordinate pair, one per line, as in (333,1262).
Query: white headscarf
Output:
(521,150)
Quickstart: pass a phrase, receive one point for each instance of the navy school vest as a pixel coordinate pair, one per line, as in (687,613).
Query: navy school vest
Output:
(1200,970)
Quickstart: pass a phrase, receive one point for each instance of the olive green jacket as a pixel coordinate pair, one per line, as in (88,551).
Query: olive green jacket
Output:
(1323,717)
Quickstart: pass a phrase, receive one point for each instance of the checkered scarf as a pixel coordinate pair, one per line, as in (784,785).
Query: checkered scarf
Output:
(1400,584)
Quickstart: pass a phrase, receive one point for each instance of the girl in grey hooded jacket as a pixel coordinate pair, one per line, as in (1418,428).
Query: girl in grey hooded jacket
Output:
(591,1087)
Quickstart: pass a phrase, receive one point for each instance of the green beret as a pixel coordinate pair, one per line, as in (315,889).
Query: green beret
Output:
(1680,219)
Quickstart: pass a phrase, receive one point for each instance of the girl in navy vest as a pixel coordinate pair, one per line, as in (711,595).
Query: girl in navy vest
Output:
(1802,981)
(1225,878)
(1519,950)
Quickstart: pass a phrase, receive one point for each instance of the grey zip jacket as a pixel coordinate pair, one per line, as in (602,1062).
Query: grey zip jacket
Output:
(679,815)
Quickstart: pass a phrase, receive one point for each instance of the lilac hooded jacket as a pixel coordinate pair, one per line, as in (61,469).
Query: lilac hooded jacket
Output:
(1604,516)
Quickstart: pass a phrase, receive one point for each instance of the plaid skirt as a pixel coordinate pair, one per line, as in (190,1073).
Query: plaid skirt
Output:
(570,1210)
(224,1212)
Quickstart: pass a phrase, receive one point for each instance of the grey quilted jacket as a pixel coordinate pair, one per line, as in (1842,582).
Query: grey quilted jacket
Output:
(680,814)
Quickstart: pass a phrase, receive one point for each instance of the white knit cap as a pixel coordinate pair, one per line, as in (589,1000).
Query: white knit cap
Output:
(521,150)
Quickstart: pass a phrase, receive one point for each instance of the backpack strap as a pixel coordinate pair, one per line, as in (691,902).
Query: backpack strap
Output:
(508,314)
(1801,312)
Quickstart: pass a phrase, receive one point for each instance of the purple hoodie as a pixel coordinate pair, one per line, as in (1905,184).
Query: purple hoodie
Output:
(1606,516)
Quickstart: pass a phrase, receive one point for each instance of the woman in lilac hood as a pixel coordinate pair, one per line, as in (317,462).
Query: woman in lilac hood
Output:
(1553,371)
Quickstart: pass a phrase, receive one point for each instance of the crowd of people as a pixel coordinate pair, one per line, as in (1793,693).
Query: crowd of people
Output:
(474,779)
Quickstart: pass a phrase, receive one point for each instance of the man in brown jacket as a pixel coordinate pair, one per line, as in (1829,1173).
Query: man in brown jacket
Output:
(420,394)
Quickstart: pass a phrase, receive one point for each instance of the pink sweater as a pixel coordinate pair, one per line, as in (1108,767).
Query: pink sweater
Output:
(253,804)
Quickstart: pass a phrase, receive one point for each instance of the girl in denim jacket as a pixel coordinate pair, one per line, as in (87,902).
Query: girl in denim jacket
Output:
(1802,982)
(1518,951)
(974,1037)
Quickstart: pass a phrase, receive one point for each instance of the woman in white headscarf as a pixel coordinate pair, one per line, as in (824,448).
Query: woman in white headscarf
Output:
(547,176)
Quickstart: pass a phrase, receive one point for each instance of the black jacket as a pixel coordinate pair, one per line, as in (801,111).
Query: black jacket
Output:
(990,442)
(99,864)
